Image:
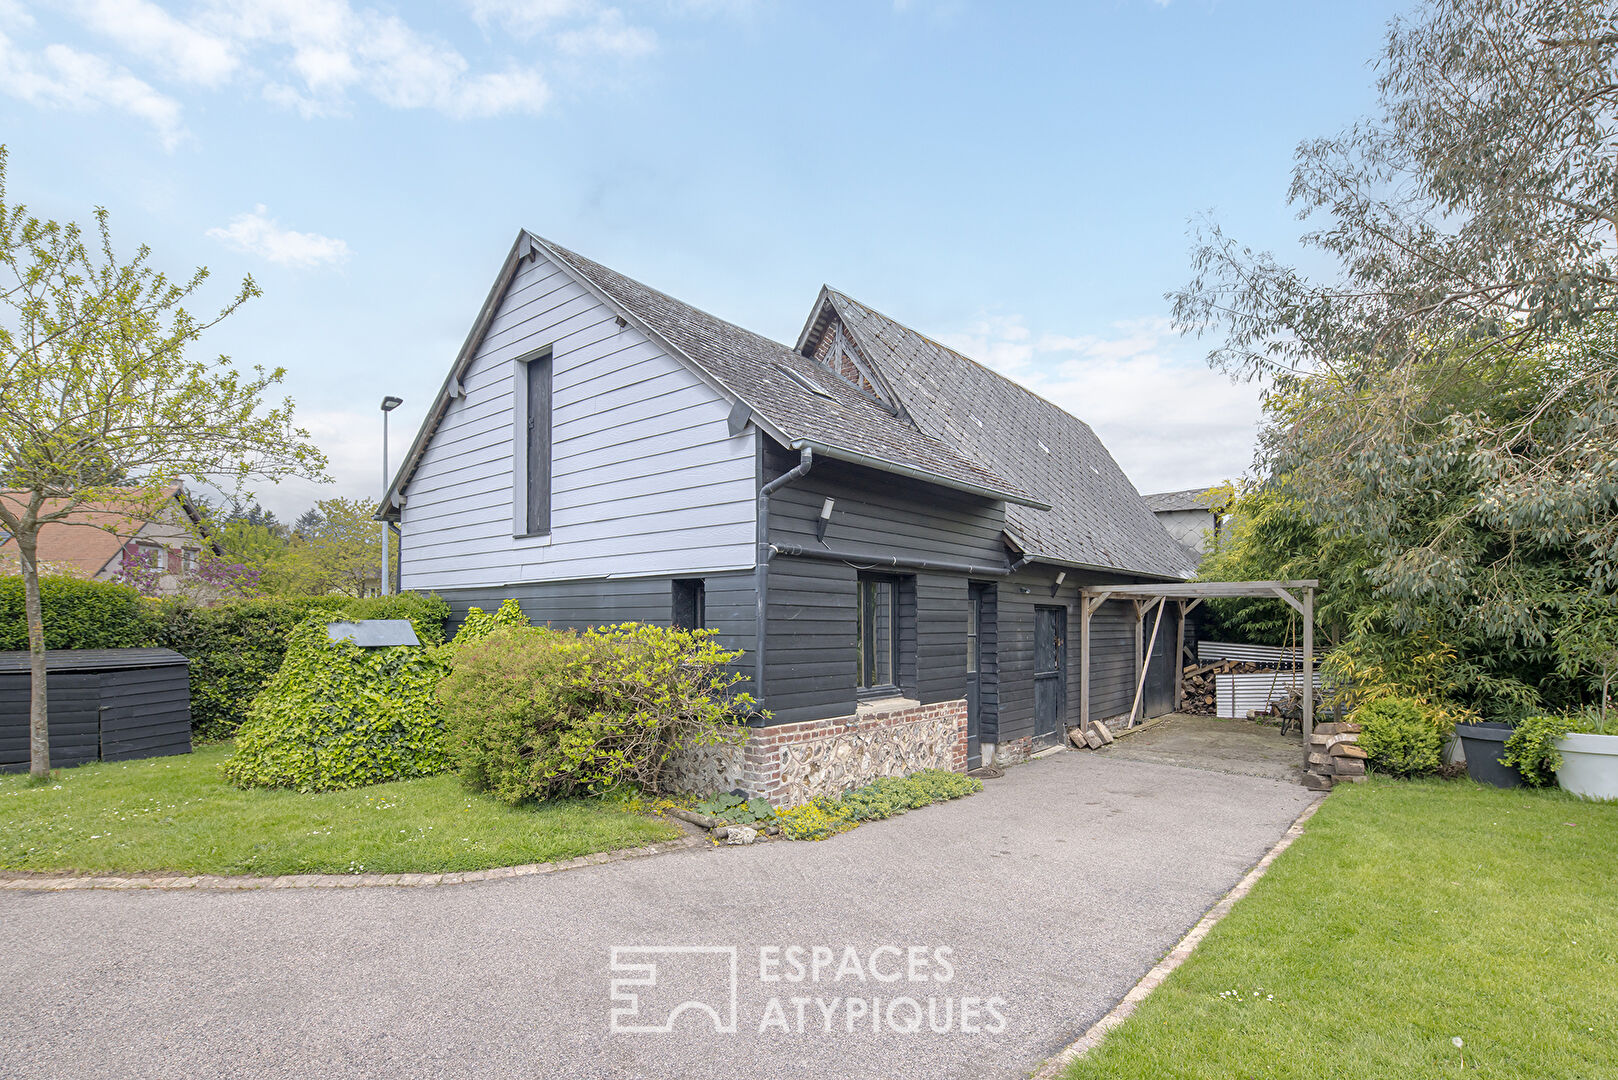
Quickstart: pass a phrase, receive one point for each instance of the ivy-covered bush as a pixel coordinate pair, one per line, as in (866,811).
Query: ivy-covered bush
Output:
(78,614)
(236,647)
(1402,736)
(479,624)
(537,713)
(339,716)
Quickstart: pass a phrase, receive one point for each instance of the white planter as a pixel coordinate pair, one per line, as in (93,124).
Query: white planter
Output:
(1589,765)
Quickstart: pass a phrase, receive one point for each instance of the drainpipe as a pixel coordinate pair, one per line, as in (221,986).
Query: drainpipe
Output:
(761,568)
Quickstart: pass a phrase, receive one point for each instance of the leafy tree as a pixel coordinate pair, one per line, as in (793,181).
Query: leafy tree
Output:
(1443,420)
(99,397)
(343,555)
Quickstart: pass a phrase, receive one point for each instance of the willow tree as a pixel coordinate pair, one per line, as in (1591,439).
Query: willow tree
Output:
(103,410)
(1448,396)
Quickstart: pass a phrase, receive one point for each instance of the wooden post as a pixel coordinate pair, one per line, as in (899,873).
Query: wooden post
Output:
(1140,623)
(1179,661)
(1308,662)
(1140,685)
(1084,661)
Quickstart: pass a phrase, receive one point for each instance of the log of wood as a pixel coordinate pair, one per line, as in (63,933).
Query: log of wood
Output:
(1347,766)
(1348,750)
(1104,731)
(693,817)
(1093,740)
(1076,737)
(1316,782)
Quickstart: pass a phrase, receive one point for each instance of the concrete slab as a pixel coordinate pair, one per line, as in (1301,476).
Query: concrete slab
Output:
(1206,743)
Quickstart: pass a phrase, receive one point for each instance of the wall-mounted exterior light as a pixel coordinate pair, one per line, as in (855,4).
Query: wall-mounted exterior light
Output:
(824,519)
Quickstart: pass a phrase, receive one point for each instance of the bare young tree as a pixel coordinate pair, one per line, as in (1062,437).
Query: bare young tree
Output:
(102,409)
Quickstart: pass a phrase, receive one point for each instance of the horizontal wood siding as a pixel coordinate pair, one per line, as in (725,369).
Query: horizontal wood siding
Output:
(811,629)
(646,478)
(578,605)
(881,514)
(145,712)
(73,698)
(813,626)
(941,617)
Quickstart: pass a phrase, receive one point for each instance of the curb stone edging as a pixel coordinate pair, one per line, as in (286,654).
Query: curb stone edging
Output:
(44,882)
(1053,1068)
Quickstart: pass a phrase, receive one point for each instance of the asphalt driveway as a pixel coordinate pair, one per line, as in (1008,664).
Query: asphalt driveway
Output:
(1053,891)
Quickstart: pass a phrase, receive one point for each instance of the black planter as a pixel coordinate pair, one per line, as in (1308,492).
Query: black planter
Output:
(1483,744)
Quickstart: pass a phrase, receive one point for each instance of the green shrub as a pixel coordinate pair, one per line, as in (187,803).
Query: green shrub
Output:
(814,820)
(1402,737)
(339,716)
(236,647)
(1532,747)
(536,713)
(78,614)
(735,809)
(479,624)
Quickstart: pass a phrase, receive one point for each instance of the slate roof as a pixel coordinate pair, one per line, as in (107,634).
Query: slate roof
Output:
(1096,517)
(750,366)
(1189,499)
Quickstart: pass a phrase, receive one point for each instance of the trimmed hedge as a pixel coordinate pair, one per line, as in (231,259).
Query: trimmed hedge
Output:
(78,614)
(1402,736)
(235,648)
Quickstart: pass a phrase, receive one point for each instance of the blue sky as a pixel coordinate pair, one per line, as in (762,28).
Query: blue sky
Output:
(1015,179)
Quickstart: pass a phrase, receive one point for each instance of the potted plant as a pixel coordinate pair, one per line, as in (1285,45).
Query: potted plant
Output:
(1589,764)
(1533,748)
(1484,744)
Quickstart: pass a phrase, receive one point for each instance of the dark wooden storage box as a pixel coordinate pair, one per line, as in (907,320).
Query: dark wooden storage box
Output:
(105,705)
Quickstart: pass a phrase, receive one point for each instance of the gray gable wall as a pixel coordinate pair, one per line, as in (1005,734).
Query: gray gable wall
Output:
(1096,519)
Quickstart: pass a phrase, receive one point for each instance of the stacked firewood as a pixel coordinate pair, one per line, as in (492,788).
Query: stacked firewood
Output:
(1335,756)
(1198,680)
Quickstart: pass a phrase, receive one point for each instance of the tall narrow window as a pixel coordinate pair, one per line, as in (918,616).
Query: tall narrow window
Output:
(879,637)
(689,604)
(537,373)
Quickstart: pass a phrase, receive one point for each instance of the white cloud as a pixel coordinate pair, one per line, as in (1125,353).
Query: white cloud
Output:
(62,77)
(258,234)
(525,18)
(1169,420)
(184,51)
(610,35)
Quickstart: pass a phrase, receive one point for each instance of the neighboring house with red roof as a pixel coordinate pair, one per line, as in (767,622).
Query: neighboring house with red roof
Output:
(96,539)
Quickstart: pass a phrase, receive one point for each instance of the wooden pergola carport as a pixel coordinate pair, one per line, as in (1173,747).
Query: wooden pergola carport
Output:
(1188,595)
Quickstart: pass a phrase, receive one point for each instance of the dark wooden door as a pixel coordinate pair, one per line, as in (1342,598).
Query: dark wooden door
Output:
(1050,670)
(977,644)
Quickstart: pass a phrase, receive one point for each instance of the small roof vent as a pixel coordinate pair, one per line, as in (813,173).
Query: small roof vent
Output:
(804,381)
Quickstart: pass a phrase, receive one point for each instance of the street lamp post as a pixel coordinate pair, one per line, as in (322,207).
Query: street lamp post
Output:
(389,403)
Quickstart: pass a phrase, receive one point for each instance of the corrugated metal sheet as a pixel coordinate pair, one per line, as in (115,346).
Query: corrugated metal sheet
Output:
(1235,694)
(1209,651)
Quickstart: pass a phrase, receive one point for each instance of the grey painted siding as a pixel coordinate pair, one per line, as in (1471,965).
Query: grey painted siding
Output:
(145,712)
(811,629)
(729,600)
(812,625)
(646,478)
(883,514)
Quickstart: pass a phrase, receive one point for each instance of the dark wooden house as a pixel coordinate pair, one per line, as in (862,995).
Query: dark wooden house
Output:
(895,534)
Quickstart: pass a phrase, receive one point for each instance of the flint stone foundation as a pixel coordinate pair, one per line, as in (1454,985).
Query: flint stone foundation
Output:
(790,764)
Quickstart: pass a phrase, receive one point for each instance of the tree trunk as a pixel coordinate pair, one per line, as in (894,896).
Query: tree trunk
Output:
(39,731)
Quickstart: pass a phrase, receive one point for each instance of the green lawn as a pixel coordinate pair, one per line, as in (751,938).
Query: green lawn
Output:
(1407,915)
(175,813)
